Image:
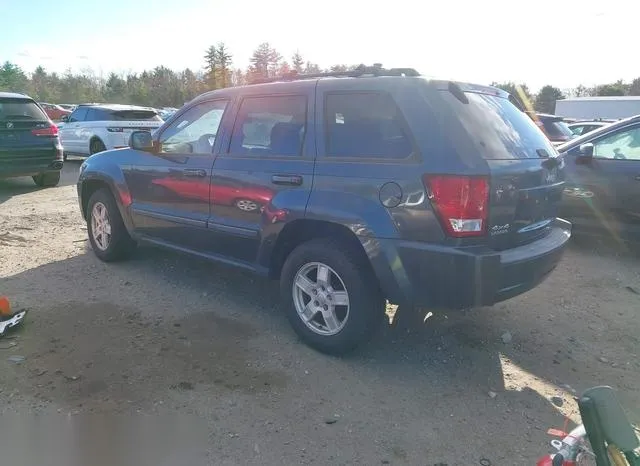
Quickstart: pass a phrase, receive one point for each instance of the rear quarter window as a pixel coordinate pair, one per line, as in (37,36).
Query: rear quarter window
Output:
(367,125)
(20,109)
(498,128)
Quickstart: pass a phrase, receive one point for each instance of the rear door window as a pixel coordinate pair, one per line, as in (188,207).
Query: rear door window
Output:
(367,124)
(20,109)
(623,145)
(498,128)
(270,126)
(92,115)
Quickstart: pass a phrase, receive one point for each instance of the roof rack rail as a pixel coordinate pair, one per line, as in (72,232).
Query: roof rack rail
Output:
(361,70)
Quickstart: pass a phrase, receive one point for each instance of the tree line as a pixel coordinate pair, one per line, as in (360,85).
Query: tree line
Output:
(545,100)
(163,87)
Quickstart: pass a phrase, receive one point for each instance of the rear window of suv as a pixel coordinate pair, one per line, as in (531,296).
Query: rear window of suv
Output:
(499,129)
(134,115)
(20,109)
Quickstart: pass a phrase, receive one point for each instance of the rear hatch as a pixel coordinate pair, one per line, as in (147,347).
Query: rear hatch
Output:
(526,174)
(26,138)
(128,121)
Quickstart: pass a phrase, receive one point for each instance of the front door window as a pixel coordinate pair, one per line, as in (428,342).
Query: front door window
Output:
(623,145)
(195,131)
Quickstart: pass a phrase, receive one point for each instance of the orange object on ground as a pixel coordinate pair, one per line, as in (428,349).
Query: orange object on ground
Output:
(5,306)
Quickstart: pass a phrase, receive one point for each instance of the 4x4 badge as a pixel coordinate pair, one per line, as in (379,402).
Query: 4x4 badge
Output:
(9,125)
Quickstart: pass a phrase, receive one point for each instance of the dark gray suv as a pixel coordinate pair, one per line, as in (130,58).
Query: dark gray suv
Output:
(350,188)
(29,142)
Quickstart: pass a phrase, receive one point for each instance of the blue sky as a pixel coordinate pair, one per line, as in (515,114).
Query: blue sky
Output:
(478,41)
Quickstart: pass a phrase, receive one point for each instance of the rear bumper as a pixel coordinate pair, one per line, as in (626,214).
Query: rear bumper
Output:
(120,140)
(431,275)
(117,140)
(30,169)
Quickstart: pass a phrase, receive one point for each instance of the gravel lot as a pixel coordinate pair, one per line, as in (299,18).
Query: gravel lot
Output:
(167,359)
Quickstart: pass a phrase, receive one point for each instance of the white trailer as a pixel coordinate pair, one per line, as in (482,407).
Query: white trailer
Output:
(591,108)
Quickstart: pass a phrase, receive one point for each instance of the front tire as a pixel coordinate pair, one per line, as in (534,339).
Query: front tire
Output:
(47,180)
(108,235)
(330,296)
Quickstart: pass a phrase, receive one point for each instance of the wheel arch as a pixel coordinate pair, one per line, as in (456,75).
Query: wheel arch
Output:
(376,255)
(95,138)
(90,183)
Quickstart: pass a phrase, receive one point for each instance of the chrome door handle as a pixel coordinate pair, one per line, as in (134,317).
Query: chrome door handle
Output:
(290,180)
(194,172)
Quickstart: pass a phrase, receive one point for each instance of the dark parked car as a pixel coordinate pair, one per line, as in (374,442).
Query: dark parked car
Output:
(554,127)
(381,185)
(29,142)
(602,194)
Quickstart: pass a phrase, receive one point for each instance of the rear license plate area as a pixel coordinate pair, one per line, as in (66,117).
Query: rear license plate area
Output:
(9,137)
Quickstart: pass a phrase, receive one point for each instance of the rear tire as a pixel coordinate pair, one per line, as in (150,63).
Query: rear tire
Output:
(108,235)
(47,180)
(350,280)
(96,146)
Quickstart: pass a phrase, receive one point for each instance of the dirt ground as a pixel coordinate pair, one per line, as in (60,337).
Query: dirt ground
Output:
(169,360)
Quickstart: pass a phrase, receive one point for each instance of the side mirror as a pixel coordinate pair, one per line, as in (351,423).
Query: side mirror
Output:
(142,140)
(586,152)
(65,119)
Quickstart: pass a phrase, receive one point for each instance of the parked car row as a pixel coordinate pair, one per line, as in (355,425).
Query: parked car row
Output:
(166,112)
(579,128)
(54,111)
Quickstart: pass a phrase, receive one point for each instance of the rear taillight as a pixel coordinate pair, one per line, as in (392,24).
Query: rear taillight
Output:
(461,202)
(46,131)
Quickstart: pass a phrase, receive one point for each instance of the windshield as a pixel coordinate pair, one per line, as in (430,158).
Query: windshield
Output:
(22,109)
(499,128)
(135,115)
